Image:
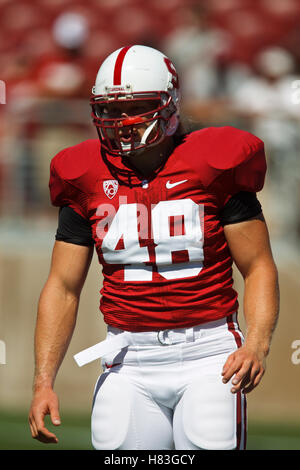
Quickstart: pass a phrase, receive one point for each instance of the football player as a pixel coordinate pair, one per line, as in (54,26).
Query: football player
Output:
(168,213)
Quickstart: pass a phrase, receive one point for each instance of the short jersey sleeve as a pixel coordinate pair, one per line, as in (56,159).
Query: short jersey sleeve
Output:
(62,192)
(234,157)
(235,162)
(250,174)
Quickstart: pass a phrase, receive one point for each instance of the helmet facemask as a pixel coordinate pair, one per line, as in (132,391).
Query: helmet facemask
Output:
(121,135)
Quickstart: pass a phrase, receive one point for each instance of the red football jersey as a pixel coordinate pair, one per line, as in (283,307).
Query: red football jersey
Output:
(166,262)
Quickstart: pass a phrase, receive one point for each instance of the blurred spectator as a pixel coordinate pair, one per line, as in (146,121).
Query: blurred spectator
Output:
(63,74)
(197,48)
(265,99)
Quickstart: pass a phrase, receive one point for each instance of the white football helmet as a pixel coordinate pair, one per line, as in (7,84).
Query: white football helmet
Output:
(135,73)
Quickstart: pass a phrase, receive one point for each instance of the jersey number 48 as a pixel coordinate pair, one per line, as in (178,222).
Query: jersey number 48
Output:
(128,224)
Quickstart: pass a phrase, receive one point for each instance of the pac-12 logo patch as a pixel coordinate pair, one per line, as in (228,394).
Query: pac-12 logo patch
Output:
(110,188)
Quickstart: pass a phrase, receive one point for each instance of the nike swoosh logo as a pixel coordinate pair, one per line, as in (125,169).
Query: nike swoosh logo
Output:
(170,185)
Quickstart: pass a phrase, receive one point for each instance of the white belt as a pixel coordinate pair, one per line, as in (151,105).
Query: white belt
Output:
(105,347)
(126,338)
(163,338)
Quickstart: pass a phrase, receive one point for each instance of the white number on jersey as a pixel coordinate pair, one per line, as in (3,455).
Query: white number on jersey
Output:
(125,226)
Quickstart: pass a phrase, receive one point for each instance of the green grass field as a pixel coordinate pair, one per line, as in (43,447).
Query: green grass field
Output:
(74,434)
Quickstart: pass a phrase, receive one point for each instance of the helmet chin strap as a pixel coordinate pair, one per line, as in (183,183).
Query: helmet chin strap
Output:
(148,131)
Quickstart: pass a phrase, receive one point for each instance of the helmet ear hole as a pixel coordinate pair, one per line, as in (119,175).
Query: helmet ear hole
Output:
(172,125)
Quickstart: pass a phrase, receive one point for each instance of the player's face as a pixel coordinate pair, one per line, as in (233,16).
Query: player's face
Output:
(131,128)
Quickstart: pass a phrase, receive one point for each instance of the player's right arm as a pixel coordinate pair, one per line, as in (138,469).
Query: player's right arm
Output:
(56,318)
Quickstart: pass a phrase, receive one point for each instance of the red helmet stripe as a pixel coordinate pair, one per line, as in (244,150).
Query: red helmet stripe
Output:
(118,65)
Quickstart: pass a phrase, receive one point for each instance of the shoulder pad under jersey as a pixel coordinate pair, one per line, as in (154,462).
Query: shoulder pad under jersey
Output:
(218,149)
(73,174)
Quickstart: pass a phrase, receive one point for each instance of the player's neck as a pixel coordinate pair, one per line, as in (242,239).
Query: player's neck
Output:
(147,162)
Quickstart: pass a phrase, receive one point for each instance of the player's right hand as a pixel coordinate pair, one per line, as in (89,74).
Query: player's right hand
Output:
(44,402)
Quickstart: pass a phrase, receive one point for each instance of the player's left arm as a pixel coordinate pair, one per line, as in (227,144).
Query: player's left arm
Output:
(250,248)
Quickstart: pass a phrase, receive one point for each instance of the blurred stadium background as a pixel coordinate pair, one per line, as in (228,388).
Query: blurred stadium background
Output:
(239,63)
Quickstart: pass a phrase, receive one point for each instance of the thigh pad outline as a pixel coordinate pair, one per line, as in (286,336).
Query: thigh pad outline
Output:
(111,412)
(209,414)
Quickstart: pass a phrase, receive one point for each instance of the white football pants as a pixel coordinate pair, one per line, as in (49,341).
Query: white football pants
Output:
(165,391)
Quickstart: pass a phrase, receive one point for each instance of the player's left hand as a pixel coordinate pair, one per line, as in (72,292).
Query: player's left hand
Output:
(246,366)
